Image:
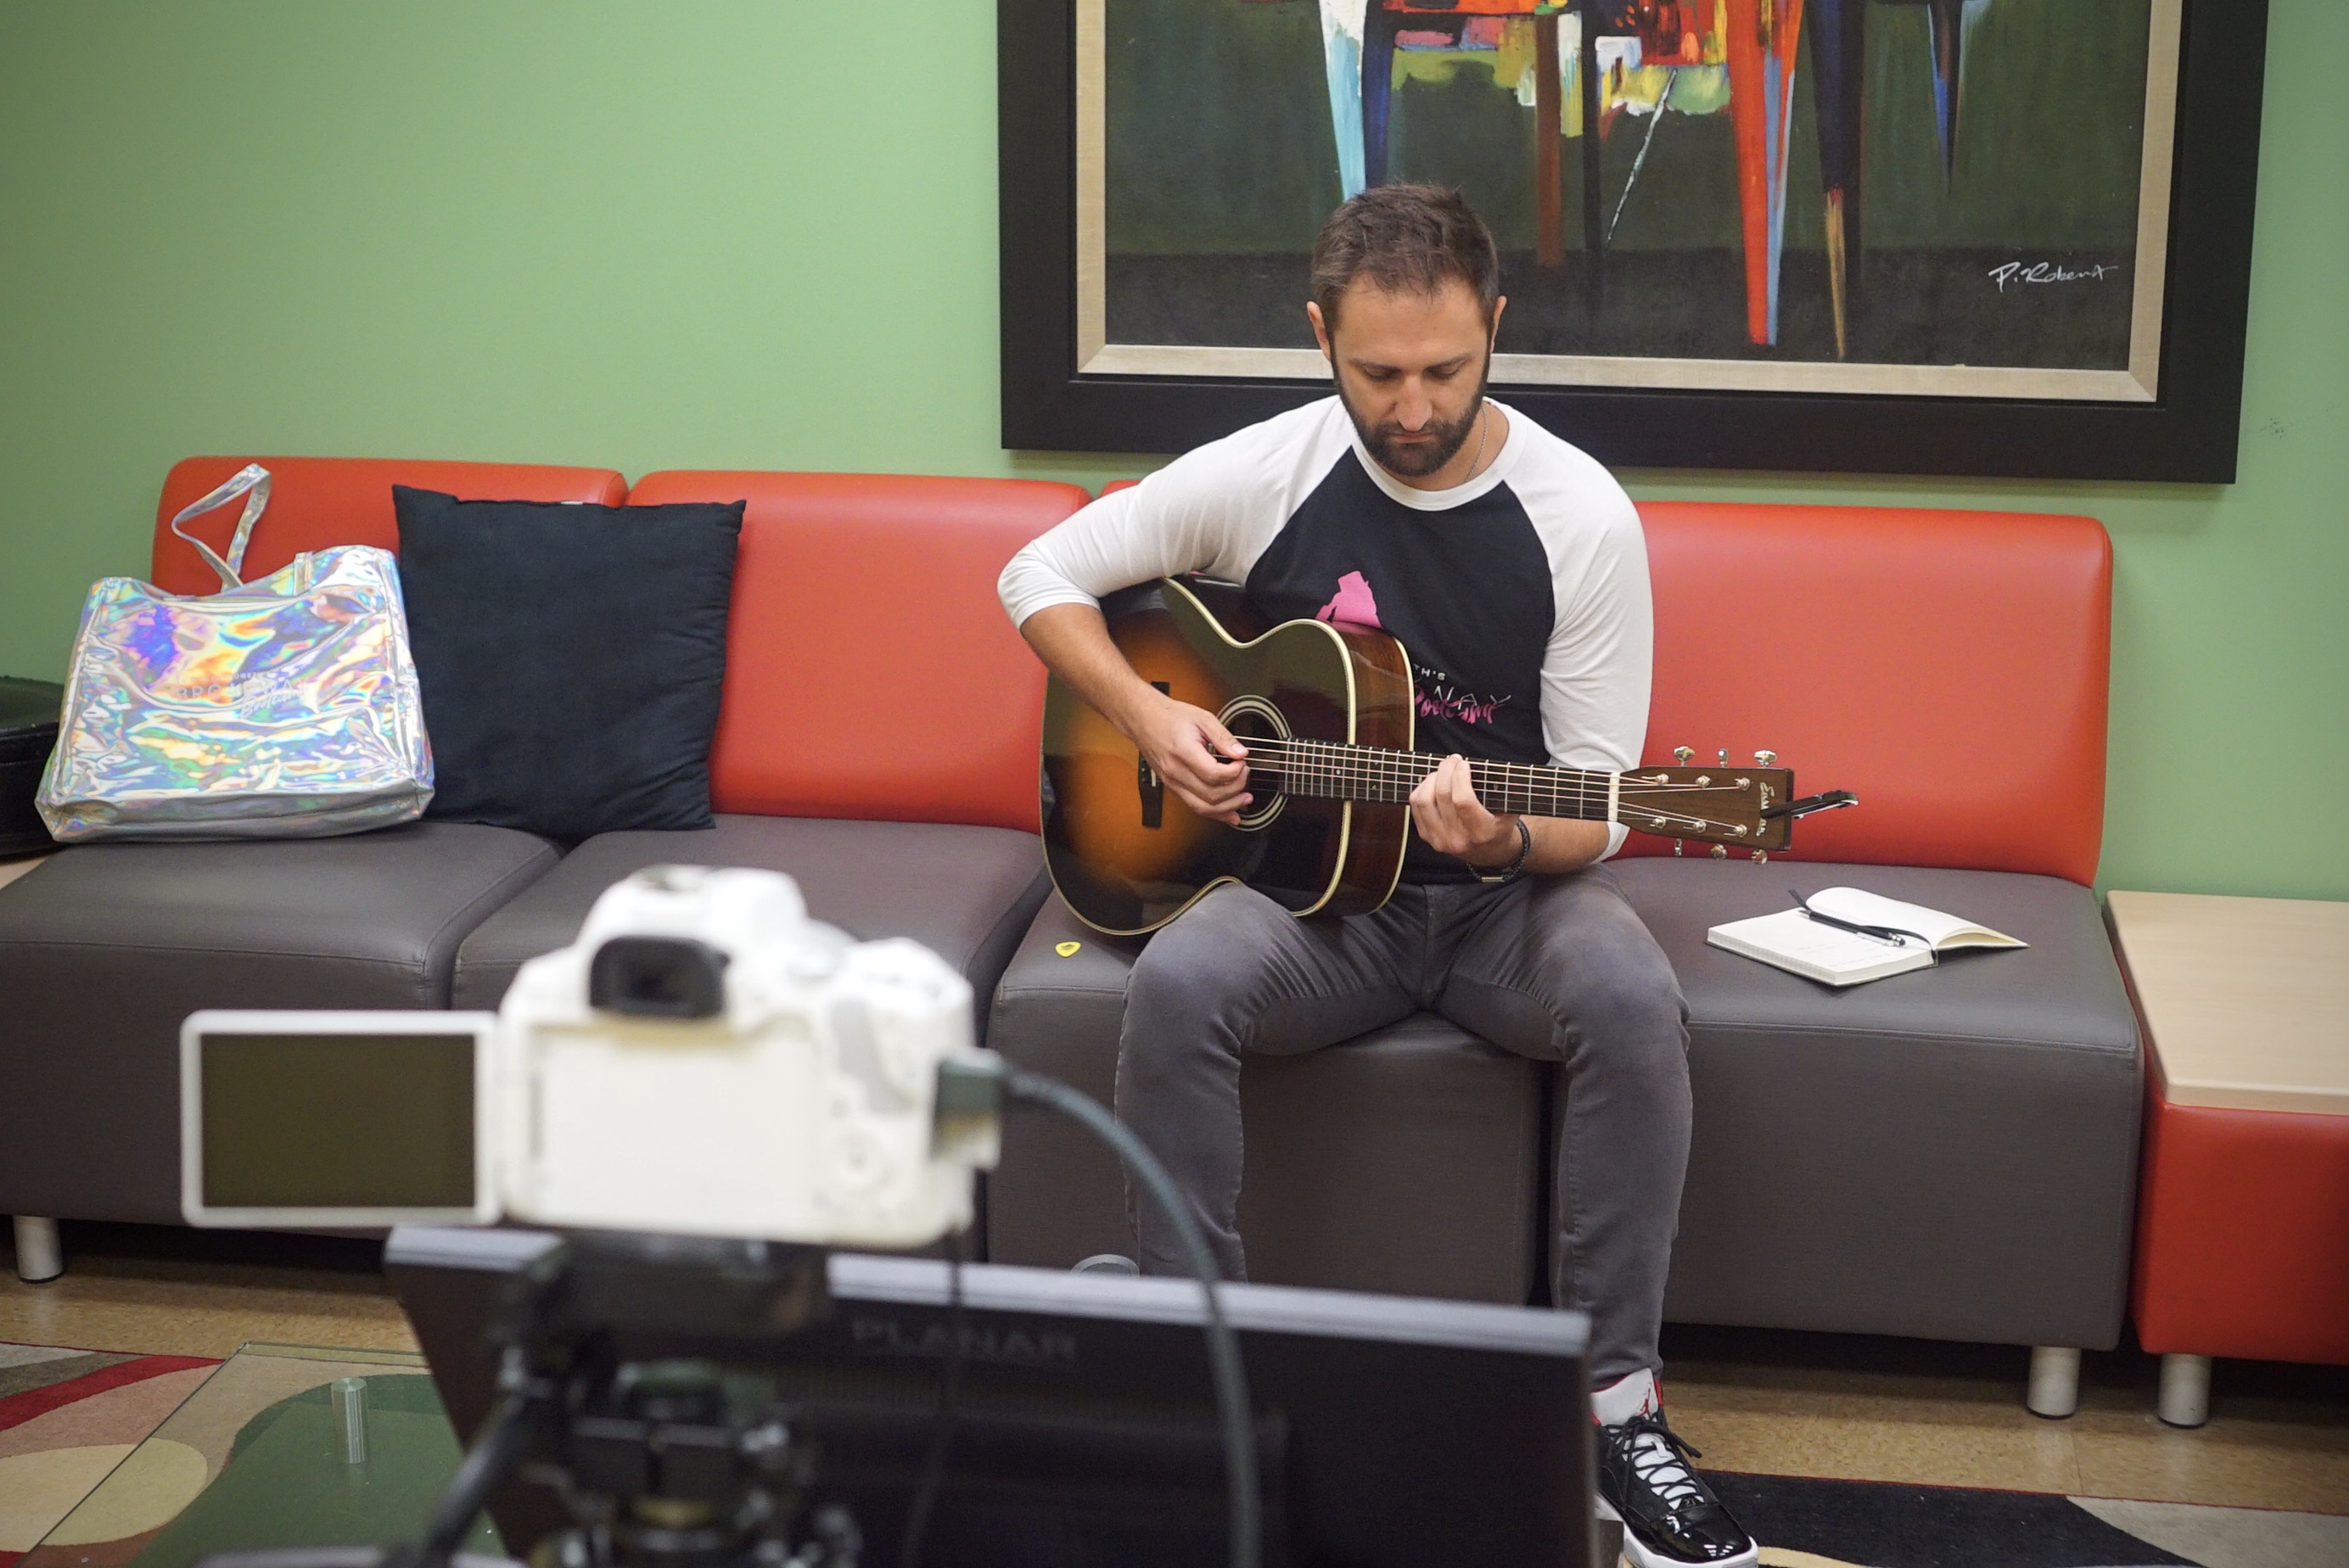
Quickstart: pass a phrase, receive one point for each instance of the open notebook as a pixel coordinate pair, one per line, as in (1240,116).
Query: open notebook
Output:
(1914,938)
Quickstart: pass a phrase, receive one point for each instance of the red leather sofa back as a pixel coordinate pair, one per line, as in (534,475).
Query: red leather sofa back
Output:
(1951,668)
(315,503)
(870,671)
(1948,667)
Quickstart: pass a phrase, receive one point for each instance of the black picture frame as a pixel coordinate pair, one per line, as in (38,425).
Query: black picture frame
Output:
(2188,434)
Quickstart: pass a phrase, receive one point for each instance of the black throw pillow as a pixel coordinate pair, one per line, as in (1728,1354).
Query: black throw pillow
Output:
(571,657)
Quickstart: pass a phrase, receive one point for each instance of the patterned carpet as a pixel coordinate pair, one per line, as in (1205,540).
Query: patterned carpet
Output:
(106,1456)
(70,1420)
(1805,1522)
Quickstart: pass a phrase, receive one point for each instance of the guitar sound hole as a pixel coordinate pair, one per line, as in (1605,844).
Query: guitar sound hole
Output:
(1252,719)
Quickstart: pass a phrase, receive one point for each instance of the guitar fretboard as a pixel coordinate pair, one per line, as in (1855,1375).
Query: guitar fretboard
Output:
(1334,771)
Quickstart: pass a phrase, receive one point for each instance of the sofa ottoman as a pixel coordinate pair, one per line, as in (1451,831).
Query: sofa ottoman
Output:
(964,893)
(106,948)
(1949,1153)
(1408,1160)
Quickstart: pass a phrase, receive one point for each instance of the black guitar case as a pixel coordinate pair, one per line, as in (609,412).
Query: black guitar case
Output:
(29,730)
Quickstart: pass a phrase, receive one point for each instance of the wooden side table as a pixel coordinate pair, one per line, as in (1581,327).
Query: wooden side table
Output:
(2242,1237)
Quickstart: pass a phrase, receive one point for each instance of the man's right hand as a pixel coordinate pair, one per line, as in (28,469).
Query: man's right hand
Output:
(1187,748)
(1191,752)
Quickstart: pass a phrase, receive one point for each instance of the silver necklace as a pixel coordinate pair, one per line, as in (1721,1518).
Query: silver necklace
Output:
(1483,428)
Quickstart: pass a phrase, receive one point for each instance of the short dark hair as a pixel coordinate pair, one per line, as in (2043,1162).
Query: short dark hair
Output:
(1405,239)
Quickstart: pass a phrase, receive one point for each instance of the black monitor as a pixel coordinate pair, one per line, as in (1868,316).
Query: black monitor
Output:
(1394,1431)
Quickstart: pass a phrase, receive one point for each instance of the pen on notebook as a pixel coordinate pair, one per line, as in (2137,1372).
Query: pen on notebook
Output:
(1873,932)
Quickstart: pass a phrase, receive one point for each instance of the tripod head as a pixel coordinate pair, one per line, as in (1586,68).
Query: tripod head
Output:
(614,1389)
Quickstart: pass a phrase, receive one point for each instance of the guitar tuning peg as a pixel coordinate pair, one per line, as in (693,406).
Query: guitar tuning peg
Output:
(1724,756)
(1767,758)
(1680,754)
(1677,844)
(1720,854)
(1760,857)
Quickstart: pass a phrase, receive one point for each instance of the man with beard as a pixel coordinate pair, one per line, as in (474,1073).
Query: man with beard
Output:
(1513,569)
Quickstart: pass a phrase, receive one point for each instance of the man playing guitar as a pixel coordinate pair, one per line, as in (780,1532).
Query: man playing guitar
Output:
(1512,567)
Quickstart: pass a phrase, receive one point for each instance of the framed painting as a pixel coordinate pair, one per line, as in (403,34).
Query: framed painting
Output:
(1998,237)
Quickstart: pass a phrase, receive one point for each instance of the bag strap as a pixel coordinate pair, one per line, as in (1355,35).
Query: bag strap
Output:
(252,481)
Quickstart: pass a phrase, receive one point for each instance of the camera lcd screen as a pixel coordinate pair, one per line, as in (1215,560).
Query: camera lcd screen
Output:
(333,1120)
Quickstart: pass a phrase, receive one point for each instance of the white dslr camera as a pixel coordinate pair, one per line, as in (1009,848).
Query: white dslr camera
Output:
(704,1059)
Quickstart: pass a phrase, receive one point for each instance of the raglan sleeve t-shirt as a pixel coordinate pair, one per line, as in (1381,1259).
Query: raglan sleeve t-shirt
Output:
(1521,596)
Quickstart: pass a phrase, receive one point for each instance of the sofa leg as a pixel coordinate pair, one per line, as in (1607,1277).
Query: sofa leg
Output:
(2185,1390)
(38,1255)
(2054,1381)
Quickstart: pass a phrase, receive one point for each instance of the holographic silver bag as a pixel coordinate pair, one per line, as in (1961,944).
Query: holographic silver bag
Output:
(286,709)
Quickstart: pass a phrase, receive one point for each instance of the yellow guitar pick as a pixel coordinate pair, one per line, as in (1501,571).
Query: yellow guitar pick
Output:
(1068,949)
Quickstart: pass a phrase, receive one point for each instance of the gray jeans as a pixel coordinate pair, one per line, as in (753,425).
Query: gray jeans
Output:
(1556,969)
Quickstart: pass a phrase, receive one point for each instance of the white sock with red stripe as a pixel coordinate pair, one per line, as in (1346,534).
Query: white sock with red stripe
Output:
(1640,1394)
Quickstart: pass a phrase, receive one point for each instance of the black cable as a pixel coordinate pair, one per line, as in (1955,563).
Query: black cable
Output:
(1223,1345)
(933,1468)
(485,1466)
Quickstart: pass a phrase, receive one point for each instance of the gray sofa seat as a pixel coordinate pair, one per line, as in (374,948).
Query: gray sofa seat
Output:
(966,892)
(1949,1153)
(106,948)
(1410,1160)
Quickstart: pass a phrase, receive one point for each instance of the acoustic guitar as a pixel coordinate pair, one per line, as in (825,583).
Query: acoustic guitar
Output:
(1326,710)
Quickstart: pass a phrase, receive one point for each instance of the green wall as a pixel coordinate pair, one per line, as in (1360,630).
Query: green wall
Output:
(763,235)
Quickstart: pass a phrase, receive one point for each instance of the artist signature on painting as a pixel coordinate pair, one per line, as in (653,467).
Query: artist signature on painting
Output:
(2018,272)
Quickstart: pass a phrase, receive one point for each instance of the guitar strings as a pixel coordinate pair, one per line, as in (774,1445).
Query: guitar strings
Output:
(1307,762)
(1346,753)
(1367,763)
(1338,763)
(1324,760)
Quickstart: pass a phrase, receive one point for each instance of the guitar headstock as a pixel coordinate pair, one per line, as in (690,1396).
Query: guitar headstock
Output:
(1730,807)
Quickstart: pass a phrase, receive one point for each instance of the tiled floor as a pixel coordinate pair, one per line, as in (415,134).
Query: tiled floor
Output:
(1797,1404)
(184,1293)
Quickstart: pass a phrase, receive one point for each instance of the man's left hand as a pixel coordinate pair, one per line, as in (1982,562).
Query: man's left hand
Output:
(1451,820)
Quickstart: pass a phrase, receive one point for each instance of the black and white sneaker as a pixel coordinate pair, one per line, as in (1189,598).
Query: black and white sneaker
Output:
(1671,1518)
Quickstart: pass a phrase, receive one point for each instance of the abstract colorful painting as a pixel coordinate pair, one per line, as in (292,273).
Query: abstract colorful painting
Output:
(1961,197)
(2010,204)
